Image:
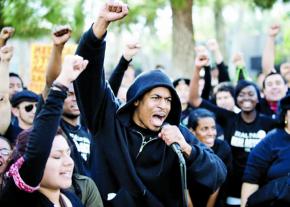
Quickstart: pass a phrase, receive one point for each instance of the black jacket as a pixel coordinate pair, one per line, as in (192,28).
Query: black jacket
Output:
(152,177)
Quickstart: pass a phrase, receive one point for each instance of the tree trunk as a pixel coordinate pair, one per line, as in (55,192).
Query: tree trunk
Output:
(182,39)
(219,26)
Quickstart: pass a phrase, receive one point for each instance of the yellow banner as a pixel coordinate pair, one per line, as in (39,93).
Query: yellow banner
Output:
(39,59)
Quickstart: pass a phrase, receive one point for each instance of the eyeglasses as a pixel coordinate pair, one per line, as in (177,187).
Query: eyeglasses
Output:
(29,107)
(5,152)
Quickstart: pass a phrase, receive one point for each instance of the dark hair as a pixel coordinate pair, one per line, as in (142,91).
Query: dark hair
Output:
(243,84)
(21,142)
(223,87)
(270,74)
(196,115)
(6,140)
(284,106)
(11,74)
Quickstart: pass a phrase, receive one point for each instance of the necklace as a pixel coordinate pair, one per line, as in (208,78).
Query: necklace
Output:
(62,202)
(287,130)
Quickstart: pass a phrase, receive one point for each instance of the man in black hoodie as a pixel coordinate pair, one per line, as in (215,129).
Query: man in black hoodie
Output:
(136,166)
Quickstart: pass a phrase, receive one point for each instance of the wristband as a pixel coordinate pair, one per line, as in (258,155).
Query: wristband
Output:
(60,87)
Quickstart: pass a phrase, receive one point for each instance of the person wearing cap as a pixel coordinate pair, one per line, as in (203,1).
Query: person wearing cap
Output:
(268,166)
(23,108)
(243,131)
(136,166)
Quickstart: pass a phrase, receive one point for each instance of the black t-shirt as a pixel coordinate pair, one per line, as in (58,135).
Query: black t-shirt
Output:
(242,137)
(80,141)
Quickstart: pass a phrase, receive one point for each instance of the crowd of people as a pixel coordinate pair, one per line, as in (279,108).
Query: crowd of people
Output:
(139,138)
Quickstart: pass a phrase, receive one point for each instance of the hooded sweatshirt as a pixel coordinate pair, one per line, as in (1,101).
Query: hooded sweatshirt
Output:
(134,166)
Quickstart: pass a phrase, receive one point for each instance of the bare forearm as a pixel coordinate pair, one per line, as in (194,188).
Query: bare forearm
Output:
(194,97)
(100,27)
(212,199)
(247,190)
(54,64)
(53,68)
(268,57)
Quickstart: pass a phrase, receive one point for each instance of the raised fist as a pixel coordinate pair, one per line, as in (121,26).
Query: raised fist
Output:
(238,59)
(6,33)
(6,53)
(113,11)
(131,50)
(212,45)
(61,34)
(274,30)
(72,67)
(201,60)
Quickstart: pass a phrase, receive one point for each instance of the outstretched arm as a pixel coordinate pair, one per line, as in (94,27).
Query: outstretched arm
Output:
(5,107)
(116,78)
(41,137)
(268,57)
(200,61)
(91,86)
(60,36)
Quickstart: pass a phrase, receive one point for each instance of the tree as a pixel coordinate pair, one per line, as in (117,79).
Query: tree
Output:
(266,4)
(35,18)
(182,37)
(182,29)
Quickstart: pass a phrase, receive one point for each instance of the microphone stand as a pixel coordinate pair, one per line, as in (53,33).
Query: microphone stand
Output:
(182,167)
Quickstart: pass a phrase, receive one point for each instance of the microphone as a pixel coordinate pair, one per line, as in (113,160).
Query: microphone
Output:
(175,147)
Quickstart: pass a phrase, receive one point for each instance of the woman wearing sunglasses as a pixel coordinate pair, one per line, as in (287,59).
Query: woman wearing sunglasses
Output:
(38,175)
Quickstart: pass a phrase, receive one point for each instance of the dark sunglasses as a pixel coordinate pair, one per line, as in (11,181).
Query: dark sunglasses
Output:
(29,107)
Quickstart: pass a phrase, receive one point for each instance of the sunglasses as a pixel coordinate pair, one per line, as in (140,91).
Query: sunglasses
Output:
(5,152)
(29,107)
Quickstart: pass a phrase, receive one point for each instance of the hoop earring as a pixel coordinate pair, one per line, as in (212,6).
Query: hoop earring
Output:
(286,122)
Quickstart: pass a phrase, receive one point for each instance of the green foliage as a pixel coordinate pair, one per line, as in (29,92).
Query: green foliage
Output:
(266,4)
(35,18)
(79,20)
(144,11)
(283,47)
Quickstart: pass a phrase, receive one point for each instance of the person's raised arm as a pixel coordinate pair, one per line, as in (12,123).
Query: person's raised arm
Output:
(46,123)
(131,49)
(60,36)
(5,34)
(240,66)
(268,57)
(111,12)
(6,53)
(200,61)
(91,88)
(213,47)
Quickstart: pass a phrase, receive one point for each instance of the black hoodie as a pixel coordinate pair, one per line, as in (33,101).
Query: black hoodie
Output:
(151,177)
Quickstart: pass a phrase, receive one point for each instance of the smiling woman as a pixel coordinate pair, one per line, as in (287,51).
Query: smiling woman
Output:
(243,131)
